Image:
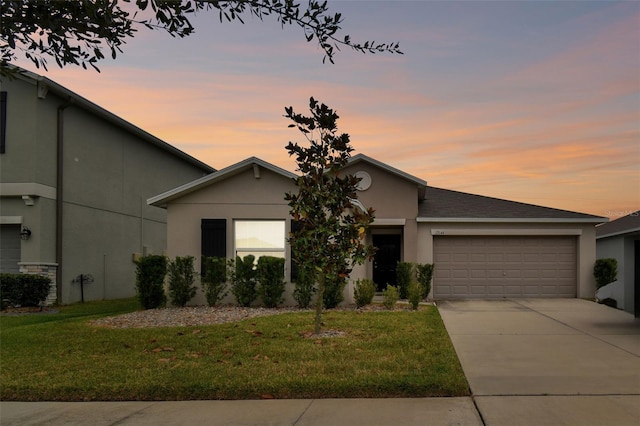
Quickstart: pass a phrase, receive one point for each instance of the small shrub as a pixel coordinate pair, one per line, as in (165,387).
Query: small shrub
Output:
(363,292)
(605,271)
(150,273)
(214,279)
(333,291)
(243,280)
(404,276)
(424,274)
(304,289)
(23,289)
(414,294)
(181,280)
(270,273)
(390,297)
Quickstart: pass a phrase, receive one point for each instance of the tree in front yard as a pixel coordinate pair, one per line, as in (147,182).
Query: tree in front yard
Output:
(330,237)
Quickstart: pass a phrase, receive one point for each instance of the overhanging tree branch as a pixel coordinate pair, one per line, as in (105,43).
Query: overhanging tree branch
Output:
(75,32)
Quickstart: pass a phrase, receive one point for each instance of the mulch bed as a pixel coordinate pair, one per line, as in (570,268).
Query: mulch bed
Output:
(25,310)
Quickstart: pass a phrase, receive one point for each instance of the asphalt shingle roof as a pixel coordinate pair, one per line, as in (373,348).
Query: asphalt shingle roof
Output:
(448,204)
(628,223)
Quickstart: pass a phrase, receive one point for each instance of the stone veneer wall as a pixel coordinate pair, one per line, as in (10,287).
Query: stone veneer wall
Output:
(46,270)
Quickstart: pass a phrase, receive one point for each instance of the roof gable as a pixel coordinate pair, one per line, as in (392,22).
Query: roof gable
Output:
(624,225)
(447,205)
(422,184)
(254,163)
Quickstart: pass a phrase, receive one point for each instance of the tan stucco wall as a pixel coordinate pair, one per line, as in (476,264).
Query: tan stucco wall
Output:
(584,233)
(393,198)
(242,196)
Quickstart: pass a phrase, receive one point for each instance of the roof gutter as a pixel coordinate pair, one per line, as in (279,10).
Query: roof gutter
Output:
(510,220)
(614,234)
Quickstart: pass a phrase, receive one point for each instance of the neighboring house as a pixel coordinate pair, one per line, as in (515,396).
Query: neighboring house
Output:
(620,240)
(482,247)
(74,180)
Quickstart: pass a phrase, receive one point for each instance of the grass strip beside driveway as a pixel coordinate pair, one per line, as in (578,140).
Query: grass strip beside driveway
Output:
(62,357)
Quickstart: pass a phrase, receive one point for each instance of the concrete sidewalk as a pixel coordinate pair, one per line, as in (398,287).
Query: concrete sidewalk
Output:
(548,361)
(299,412)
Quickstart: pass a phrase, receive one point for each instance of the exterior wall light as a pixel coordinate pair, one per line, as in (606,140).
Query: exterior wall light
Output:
(25,234)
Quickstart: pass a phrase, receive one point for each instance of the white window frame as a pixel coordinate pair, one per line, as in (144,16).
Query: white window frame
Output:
(270,251)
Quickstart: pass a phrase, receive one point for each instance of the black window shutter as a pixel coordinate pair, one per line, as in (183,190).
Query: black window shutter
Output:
(214,239)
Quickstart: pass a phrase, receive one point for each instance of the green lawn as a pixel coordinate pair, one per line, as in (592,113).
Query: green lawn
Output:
(384,354)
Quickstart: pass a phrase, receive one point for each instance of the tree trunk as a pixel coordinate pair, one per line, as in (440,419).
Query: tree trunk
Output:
(320,298)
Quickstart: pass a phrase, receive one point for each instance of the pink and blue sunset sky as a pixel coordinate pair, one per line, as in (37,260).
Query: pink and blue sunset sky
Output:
(537,102)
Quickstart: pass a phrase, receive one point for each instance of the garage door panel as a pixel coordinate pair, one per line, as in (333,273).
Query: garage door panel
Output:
(460,273)
(515,273)
(509,266)
(548,273)
(495,290)
(494,273)
(441,274)
(514,290)
(477,290)
(461,258)
(478,273)
(567,274)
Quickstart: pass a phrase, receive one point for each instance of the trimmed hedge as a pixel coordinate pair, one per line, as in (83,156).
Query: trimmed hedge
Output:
(270,273)
(333,291)
(244,280)
(605,271)
(150,273)
(363,292)
(23,289)
(182,277)
(304,288)
(404,276)
(214,279)
(424,274)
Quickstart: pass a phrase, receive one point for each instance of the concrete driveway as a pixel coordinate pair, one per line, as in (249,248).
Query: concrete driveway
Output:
(548,361)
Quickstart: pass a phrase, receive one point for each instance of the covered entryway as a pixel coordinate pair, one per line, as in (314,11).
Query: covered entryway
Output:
(388,253)
(474,267)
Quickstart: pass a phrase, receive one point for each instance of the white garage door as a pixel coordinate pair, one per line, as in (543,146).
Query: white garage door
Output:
(496,267)
(9,248)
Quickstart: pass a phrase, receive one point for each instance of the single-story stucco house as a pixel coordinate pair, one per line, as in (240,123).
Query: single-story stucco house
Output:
(482,247)
(620,240)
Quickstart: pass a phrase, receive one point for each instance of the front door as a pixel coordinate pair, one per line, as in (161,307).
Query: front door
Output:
(386,259)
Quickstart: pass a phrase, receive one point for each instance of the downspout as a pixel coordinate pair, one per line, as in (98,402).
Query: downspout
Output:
(59,195)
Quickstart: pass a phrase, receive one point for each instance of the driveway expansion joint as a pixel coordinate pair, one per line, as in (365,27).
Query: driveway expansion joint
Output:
(297,420)
(127,417)
(574,328)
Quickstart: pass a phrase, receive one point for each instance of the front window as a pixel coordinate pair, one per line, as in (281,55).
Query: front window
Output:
(260,238)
